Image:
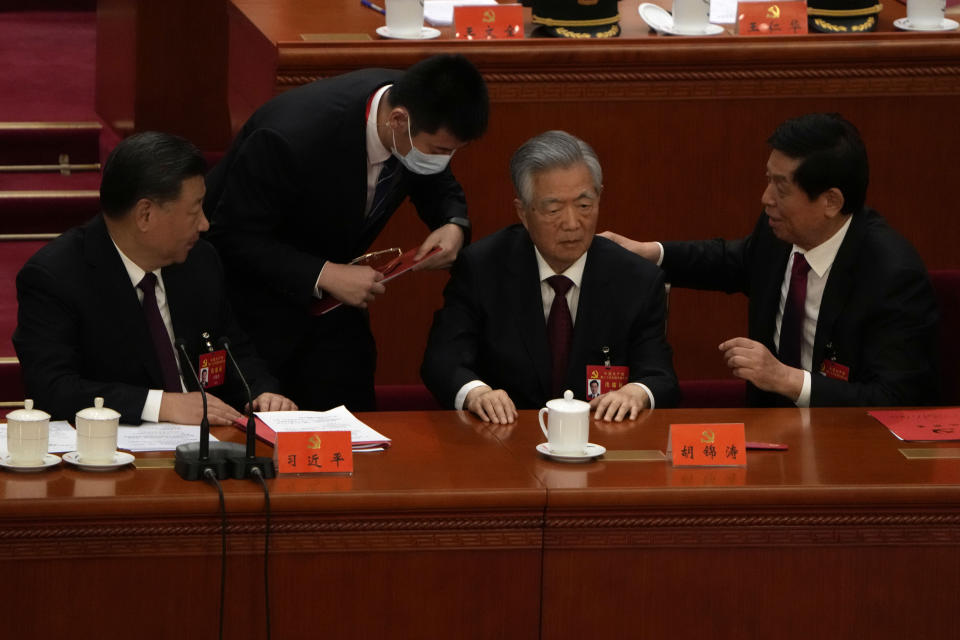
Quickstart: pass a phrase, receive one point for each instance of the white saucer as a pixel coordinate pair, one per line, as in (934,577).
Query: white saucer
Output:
(661,20)
(428,33)
(120,459)
(946,25)
(590,452)
(48,461)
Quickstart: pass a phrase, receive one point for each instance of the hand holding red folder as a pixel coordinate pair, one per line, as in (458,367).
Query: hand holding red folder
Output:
(390,262)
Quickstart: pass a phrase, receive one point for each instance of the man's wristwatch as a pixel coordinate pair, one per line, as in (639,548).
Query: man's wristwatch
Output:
(463,223)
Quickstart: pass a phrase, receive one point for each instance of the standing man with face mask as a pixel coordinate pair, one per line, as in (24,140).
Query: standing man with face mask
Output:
(308,184)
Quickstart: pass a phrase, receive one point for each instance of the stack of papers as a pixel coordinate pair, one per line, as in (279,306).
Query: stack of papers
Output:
(439,13)
(160,436)
(362,436)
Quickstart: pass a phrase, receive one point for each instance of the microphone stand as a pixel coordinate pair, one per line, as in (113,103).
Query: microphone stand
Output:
(243,466)
(192,459)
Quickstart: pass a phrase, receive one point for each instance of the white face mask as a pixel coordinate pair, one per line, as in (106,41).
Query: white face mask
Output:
(417,161)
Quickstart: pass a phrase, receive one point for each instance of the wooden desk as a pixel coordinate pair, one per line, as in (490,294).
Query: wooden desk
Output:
(679,124)
(438,537)
(838,537)
(446,534)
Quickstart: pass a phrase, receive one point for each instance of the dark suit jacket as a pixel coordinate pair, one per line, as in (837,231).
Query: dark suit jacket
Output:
(492,326)
(81,331)
(290,195)
(878,315)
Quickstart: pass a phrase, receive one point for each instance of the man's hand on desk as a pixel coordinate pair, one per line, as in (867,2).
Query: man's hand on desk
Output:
(753,362)
(449,238)
(625,403)
(491,405)
(648,250)
(355,285)
(273,402)
(187,408)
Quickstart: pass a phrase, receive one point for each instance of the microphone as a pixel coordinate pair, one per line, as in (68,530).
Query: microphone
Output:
(192,459)
(243,467)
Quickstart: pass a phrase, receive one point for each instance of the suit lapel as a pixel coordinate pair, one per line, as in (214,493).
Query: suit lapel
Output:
(176,286)
(590,312)
(128,332)
(523,292)
(769,301)
(839,285)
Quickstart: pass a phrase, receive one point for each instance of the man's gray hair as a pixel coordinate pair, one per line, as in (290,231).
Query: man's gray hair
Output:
(551,150)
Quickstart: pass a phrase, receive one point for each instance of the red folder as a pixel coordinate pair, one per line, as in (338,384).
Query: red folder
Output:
(390,270)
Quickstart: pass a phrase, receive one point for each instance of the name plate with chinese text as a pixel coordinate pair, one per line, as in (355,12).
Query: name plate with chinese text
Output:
(488,22)
(314,452)
(707,445)
(771,18)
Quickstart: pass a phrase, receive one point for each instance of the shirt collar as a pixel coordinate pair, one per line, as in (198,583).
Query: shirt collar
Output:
(574,271)
(376,152)
(821,257)
(135,272)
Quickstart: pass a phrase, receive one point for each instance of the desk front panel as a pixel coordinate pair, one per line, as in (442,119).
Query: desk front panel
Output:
(440,536)
(839,536)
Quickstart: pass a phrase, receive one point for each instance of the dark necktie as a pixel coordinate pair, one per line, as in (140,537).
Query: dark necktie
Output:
(559,331)
(159,335)
(384,180)
(791,327)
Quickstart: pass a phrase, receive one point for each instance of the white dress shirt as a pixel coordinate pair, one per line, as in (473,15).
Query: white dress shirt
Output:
(820,259)
(575,273)
(151,408)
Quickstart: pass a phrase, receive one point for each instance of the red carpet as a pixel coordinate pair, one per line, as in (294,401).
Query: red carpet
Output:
(48,66)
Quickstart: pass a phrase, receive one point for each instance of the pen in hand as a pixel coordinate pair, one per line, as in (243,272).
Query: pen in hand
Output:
(370,5)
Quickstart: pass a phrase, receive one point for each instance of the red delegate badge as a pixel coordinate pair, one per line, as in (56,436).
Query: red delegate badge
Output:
(602,378)
(212,369)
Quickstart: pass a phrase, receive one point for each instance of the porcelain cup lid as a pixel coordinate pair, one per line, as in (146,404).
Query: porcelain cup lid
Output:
(28,413)
(567,404)
(98,412)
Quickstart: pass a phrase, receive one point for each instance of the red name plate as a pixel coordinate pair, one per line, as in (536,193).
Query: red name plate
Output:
(771,18)
(707,445)
(314,452)
(489,22)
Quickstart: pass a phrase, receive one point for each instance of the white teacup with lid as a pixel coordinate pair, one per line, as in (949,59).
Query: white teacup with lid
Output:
(97,434)
(28,435)
(568,424)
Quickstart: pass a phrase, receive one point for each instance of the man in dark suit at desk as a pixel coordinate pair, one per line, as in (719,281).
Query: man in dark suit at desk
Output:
(101,306)
(842,311)
(308,184)
(530,307)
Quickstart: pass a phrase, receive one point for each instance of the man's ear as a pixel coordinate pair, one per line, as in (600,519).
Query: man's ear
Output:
(521,211)
(397,119)
(833,202)
(144,213)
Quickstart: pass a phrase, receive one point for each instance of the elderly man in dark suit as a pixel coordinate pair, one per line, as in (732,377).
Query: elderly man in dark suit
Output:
(101,307)
(530,307)
(307,185)
(842,311)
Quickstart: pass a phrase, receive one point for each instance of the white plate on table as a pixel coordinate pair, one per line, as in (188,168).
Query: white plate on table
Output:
(120,459)
(946,25)
(49,460)
(590,452)
(427,33)
(661,20)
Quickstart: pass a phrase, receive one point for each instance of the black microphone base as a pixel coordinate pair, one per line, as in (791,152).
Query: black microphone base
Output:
(189,466)
(240,467)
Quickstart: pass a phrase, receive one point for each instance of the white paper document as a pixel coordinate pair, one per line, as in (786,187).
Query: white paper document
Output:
(63,437)
(723,11)
(339,419)
(439,13)
(159,436)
